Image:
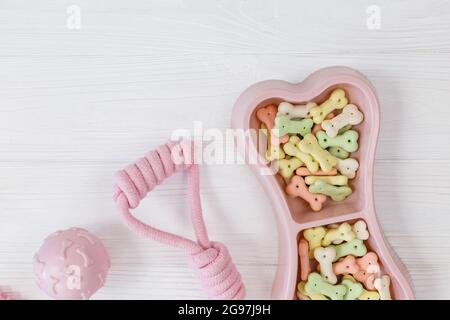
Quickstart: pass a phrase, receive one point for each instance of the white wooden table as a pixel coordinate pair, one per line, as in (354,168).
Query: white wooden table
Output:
(78,104)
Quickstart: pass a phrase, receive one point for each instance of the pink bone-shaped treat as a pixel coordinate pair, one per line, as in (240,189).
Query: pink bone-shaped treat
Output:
(369,263)
(297,188)
(267,116)
(303,252)
(366,278)
(348,265)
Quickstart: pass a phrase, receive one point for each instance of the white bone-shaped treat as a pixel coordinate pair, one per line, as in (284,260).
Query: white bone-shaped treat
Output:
(350,115)
(295,111)
(347,167)
(383,287)
(325,257)
(360,229)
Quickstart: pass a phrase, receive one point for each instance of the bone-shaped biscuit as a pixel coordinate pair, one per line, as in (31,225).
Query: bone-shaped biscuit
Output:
(267,116)
(354,289)
(347,141)
(316,284)
(342,233)
(337,100)
(355,248)
(314,236)
(291,148)
(369,262)
(310,146)
(303,295)
(350,116)
(284,126)
(286,167)
(360,229)
(333,180)
(348,265)
(303,252)
(336,193)
(347,167)
(317,127)
(382,285)
(365,278)
(274,152)
(338,152)
(295,111)
(325,257)
(305,172)
(297,188)
(369,295)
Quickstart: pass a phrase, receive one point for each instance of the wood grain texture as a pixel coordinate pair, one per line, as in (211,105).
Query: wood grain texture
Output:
(76,105)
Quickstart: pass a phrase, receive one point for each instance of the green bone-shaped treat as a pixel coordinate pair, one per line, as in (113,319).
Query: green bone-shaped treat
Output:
(284,126)
(355,248)
(317,285)
(338,152)
(347,141)
(336,193)
(344,129)
(354,289)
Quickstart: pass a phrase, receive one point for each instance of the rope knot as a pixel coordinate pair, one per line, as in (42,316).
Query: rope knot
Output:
(217,273)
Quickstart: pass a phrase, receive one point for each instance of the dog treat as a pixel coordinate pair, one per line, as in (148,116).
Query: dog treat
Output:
(337,100)
(316,284)
(287,167)
(291,148)
(314,236)
(355,247)
(310,145)
(303,252)
(297,188)
(295,111)
(382,285)
(338,152)
(284,126)
(335,193)
(325,257)
(334,180)
(350,116)
(354,289)
(347,141)
(360,229)
(338,235)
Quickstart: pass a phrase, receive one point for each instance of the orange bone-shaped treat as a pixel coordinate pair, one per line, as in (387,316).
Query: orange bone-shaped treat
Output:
(303,252)
(267,116)
(348,265)
(365,278)
(305,172)
(297,188)
(369,263)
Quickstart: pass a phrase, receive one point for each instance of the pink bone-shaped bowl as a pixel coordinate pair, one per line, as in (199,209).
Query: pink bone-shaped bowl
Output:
(293,214)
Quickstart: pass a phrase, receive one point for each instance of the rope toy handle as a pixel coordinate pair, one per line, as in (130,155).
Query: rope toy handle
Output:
(211,260)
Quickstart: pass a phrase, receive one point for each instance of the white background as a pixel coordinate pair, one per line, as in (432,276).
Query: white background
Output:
(77,105)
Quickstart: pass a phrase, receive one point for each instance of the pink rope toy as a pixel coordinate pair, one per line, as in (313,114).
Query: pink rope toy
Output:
(215,269)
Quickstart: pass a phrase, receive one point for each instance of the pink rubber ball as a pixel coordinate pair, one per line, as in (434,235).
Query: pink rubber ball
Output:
(71,264)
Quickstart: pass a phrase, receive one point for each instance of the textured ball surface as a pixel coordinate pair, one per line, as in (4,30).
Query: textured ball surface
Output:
(71,264)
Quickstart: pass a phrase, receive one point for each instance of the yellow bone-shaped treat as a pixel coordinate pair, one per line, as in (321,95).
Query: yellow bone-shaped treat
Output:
(286,167)
(337,100)
(369,295)
(342,233)
(314,236)
(311,146)
(291,148)
(274,152)
(334,180)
